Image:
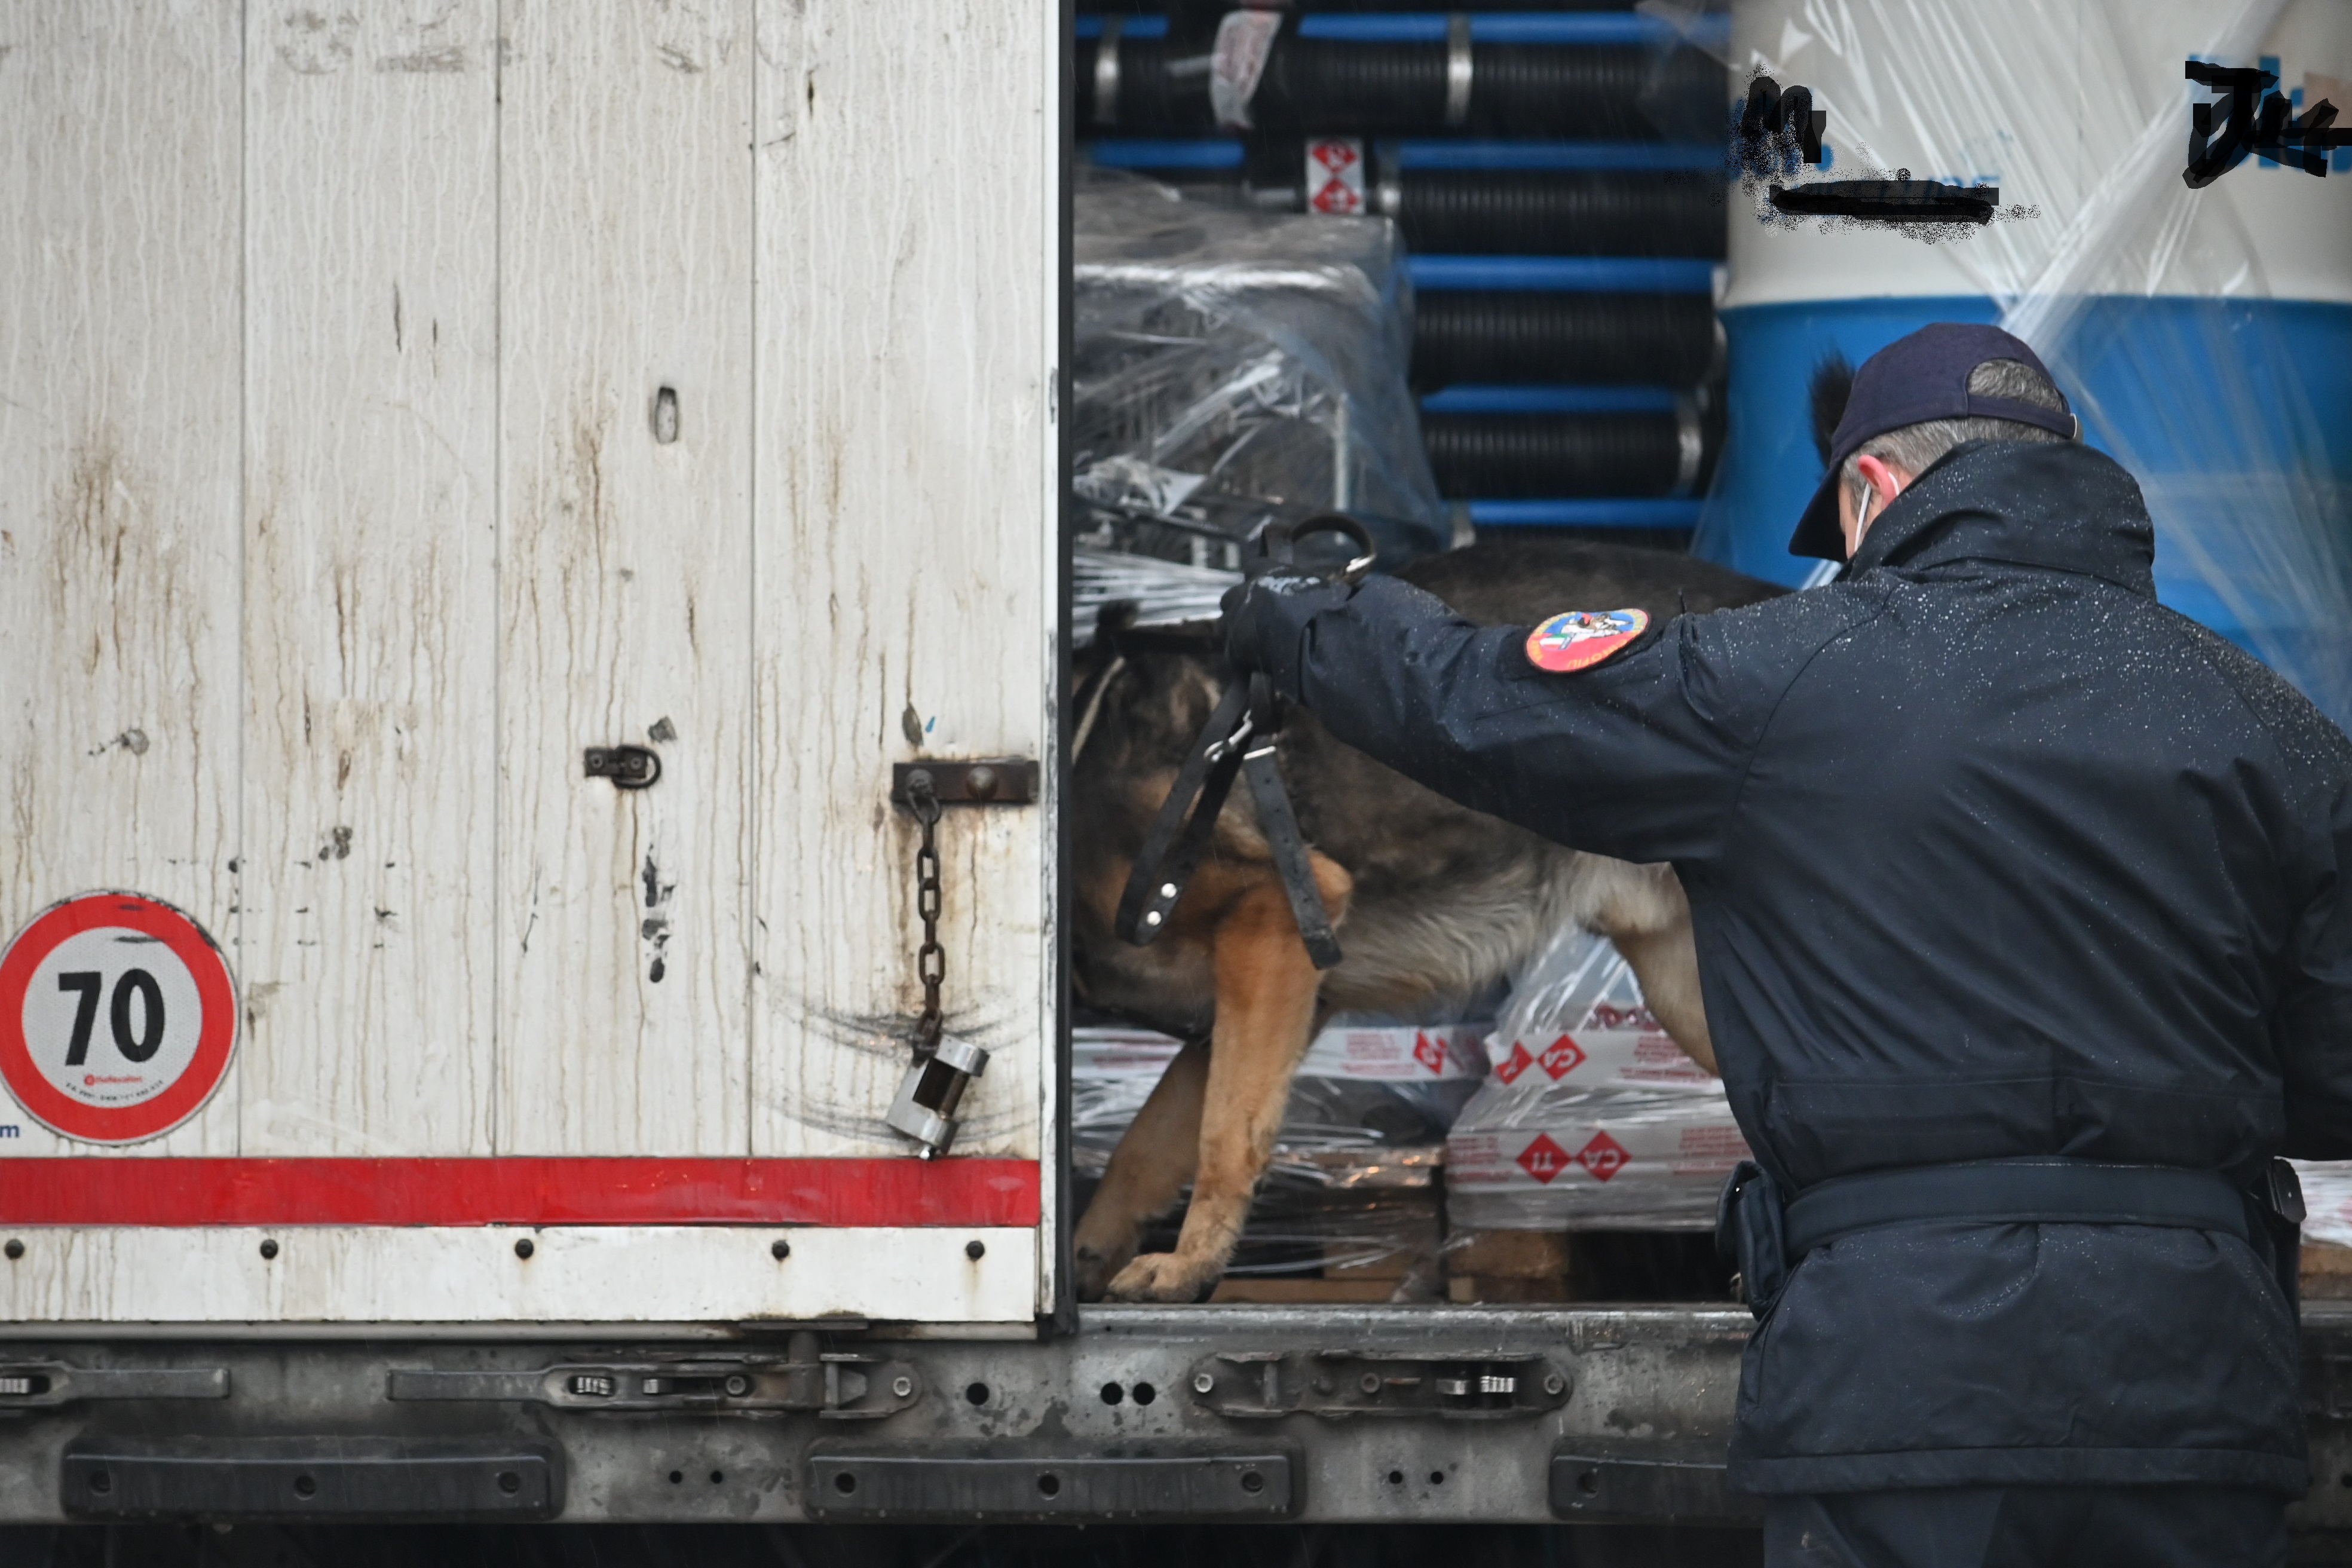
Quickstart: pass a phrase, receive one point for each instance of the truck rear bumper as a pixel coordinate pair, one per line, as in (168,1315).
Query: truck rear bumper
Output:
(1365,1413)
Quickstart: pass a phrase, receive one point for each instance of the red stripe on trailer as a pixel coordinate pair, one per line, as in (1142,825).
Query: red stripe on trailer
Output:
(79,1189)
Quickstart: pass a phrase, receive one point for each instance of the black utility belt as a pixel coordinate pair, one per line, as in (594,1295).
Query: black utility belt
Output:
(1765,1235)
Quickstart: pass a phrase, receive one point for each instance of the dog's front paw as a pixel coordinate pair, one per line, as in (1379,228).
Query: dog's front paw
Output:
(1166,1277)
(1096,1267)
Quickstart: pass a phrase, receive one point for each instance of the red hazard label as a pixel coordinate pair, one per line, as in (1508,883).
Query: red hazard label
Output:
(1517,1062)
(1335,175)
(1429,1053)
(117,1017)
(1543,1159)
(1604,1157)
(1562,1057)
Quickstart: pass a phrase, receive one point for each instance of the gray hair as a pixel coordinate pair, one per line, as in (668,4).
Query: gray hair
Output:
(1912,446)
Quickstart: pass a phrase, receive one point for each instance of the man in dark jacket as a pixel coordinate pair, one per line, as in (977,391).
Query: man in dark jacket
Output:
(2025,940)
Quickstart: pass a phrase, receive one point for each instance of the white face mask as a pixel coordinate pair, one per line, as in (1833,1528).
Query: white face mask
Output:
(1862,513)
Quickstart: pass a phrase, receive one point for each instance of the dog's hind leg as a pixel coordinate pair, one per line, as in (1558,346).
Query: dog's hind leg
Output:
(1147,1172)
(1646,915)
(1266,989)
(1666,964)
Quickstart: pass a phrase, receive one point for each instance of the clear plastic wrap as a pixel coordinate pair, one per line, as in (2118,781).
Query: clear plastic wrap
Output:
(1351,1209)
(2203,334)
(1370,1098)
(1593,1118)
(2328,1201)
(1360,1243)
(1158,592)
(1112,1070)
(1576,1021)
(2326,1228)
(1234,367)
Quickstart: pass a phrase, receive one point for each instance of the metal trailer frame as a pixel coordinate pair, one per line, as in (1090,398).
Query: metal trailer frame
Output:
(1485,1415)
(1235,1413)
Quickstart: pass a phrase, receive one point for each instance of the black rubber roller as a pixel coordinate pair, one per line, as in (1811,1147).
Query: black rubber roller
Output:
(1530,90)
(1508,336)
(1144,94)
(1504,456)
(1392,88)
(1516,90)
(1545,211)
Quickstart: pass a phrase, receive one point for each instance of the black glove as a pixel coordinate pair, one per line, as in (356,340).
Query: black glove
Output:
(1263,615)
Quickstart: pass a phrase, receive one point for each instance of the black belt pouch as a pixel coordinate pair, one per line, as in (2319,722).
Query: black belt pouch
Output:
(2277,1200)
(1749,1235)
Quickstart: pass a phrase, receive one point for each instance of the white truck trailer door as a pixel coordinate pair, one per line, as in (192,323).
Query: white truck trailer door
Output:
(397,402)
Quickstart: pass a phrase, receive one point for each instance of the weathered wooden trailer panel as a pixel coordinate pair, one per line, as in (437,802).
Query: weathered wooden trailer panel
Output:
(397,400)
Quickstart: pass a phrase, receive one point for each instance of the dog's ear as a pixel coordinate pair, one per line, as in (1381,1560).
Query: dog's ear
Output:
(1832,383)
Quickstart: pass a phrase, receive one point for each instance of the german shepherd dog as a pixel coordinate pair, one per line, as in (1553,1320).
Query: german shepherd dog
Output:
(1433,901)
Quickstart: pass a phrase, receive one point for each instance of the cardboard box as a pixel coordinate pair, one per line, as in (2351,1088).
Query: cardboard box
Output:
(1507,1253)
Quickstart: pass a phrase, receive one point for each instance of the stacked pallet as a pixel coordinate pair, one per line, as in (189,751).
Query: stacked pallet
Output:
(1508,1266)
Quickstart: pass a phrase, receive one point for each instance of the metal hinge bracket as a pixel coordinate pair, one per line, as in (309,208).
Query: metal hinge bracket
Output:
(629,767)
(984,781)
(832,1387)
(1263,1384)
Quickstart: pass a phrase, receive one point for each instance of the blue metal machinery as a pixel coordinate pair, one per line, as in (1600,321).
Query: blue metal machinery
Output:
(1557,176)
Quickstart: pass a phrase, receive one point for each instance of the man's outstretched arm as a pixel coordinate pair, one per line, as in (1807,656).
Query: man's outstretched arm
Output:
(1638,756)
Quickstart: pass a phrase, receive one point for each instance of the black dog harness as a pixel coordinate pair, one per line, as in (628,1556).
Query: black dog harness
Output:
(1239,738)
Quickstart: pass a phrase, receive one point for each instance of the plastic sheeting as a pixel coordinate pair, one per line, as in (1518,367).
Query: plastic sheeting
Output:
(1235,367)
(2326,1200)
(1158,592)
(1367,1094)
(1353,1195)
(1593,1118)
(2204,335)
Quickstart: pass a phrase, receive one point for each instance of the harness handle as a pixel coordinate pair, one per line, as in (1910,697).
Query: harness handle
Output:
(1277,545)
(1239,741)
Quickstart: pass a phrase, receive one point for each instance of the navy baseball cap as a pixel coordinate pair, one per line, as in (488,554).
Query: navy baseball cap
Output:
(1914,379)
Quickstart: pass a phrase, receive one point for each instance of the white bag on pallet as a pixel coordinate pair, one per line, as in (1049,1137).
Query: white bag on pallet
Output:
(2326,1200)
(1593,1117)
(1577,1020)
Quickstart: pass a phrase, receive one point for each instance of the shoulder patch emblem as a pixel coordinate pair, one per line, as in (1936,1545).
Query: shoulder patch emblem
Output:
(1582,638)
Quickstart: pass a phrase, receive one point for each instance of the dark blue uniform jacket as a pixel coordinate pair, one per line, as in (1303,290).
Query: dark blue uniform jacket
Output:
(1988,855)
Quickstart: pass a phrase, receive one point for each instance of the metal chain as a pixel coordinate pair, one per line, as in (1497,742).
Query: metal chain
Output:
(931,959)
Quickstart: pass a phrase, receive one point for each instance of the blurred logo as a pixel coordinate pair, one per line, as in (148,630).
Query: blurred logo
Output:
(1579,639)
(2253,119)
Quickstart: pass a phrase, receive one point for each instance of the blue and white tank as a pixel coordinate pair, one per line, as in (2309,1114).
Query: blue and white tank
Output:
(2205,336)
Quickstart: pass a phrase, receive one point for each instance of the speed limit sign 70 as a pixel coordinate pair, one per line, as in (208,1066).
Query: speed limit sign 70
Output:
(117,1017)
